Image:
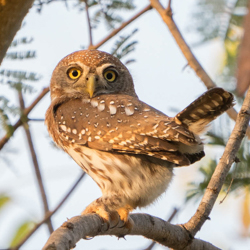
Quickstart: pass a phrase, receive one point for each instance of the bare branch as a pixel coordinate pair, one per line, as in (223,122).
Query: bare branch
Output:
(91,225)
(123,25)
(166,15)
(150,247)
(35,161)
(89,24)
(26,111)
(49,214)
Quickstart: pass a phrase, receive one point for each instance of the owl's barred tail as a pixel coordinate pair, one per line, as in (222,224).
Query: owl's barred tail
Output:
(205,109)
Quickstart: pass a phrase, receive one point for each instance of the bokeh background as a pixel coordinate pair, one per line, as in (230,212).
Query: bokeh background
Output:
(162,79)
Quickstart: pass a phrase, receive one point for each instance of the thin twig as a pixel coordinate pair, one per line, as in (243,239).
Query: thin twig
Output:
(35,161)
(150,247)
(26,111)
(49,214)
(36,119)
(229,187)
(89,24)
(123,25)
(166,15)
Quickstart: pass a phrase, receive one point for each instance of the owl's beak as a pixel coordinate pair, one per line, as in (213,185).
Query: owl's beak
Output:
(90,85)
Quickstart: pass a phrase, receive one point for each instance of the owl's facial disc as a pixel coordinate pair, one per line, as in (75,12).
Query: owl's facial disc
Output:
(101,81)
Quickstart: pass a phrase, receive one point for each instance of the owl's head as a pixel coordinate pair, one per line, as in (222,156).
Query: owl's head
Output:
(89,73)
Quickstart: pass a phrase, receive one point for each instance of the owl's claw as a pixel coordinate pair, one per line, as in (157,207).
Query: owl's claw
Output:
(112,219)
(127,224)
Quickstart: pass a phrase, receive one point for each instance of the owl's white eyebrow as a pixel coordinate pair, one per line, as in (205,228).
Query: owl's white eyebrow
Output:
(104,66)
(77,63)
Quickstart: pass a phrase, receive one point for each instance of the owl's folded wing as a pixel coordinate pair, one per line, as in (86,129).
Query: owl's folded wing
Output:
(124,124)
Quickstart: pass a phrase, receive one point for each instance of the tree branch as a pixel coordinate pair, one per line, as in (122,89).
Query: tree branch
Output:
(166,15)
(150,247)
(89,24)
(123,25)
(26,111)
(221,171)
(49,214)
(232,147)
(35,161)
(151,227)
(12,14)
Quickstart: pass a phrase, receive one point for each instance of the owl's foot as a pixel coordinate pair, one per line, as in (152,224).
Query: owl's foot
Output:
(117,217)
(125,220)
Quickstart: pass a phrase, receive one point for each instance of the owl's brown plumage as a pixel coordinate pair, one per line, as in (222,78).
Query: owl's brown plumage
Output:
(127,147)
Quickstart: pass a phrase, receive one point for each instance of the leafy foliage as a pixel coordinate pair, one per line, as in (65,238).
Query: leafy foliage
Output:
(4,199)
(122,47)
(196,190)
(237,179)
(18,81)
(223,19)
(107,11)
(21,232)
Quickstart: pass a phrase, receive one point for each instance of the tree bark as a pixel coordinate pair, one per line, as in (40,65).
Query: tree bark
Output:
(85,226)
(12,13)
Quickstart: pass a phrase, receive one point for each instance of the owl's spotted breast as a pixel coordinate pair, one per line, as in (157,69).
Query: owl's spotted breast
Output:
(122,124)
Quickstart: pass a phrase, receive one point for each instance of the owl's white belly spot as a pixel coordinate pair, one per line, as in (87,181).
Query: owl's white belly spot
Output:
(139,182)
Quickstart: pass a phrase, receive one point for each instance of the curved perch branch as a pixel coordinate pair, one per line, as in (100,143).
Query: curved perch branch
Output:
(151,227)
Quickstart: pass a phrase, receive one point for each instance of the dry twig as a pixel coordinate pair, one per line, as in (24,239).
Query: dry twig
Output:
(35,161)
(123,25)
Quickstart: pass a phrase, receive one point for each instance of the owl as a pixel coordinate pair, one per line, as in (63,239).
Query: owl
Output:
(128,147)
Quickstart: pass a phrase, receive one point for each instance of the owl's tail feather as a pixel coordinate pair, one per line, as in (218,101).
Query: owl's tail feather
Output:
(205,109)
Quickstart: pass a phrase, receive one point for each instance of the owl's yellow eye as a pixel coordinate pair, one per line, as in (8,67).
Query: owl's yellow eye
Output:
(110,75)
(74,73)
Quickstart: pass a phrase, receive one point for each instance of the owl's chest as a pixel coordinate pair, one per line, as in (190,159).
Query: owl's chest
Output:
(135,179)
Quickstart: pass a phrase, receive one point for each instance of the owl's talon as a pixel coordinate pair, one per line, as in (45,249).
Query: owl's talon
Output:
(127,224)
(113,219)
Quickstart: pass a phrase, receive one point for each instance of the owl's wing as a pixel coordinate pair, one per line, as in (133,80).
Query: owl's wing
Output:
(123,124)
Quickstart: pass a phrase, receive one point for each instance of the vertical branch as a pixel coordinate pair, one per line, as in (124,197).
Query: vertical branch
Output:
(26,111)
(49,214)
(35,161)
(89,24)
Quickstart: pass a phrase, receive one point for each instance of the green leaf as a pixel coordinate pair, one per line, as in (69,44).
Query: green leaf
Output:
(4,200)
(21,232)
